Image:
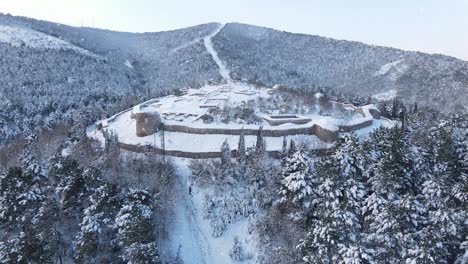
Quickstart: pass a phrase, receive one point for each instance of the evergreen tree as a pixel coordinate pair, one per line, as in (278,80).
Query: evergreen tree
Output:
(141,253)
(443,192)
(297,179)
(96,227)
(9,206)
(135,229)
(463,259)
(27,247)
(428,246)
(20,196)
(46,223)
(241,147)
(259,143)
(415,107)
(336,232)
(392,209)
(292,147)
(237,252)
(71,185)
(225,153)
(284,149)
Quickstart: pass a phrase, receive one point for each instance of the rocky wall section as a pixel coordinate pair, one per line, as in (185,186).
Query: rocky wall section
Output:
(147,123)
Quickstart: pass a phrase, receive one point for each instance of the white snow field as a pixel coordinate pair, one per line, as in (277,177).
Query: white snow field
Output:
(17,36)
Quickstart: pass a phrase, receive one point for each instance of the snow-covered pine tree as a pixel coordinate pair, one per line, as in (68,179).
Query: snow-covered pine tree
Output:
(27,247)
(297,179)
(9,205)
(460,138)
(428,242)
(35,168)
(96,228)
(284,149)
(71,185)
(20,196)
(23,188)
(237,252)
(112,141)
(29,216)
(260,145)
(335,232)
(461,189)
(241,147)
(87,239)
(463,259)
(443,191)
(292,147)
(45,222)
(392,209)
(137,253)
(259,142)
(135,229)
(225,153)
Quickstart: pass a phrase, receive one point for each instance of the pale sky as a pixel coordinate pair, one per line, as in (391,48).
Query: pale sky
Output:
(433,26)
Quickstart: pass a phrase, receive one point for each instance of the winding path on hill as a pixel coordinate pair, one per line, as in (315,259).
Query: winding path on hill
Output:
(209,47)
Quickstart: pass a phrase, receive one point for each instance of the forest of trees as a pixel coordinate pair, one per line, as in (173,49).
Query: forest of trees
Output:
(400,196)
(99,206)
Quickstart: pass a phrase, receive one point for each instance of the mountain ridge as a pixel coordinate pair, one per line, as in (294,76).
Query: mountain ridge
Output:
(58,84)
(239,23)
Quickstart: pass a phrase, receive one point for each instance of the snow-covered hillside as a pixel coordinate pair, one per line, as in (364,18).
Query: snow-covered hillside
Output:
(283,169)
(17,36)
(192,57)
(267,56)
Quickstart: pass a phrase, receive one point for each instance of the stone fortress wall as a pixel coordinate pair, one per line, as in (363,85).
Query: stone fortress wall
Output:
(149,123)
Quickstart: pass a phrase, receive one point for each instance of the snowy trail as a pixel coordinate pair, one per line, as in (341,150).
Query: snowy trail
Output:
(186,231)
(193,232)
(209,47)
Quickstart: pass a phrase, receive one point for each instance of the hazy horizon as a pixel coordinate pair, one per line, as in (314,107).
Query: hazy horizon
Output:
(427,26)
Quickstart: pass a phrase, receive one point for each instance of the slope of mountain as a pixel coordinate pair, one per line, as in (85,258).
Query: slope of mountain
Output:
(274,57)
(52,72)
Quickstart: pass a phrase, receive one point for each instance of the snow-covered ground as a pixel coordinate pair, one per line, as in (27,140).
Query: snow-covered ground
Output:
(376,123)
(17,36)
(192,232)
(393,69)
(187,109)
(212,143)
(186,230)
